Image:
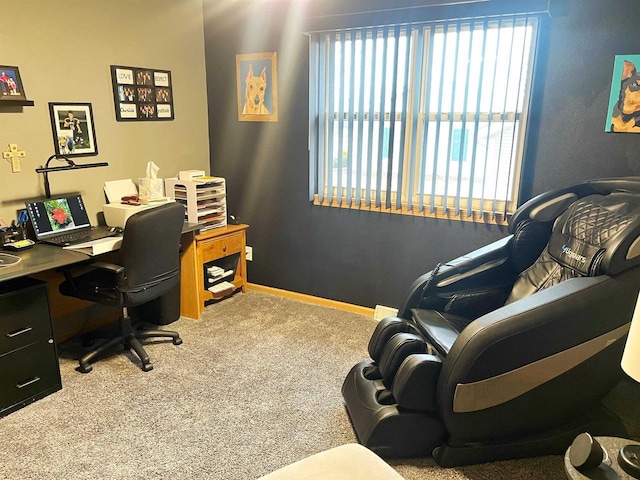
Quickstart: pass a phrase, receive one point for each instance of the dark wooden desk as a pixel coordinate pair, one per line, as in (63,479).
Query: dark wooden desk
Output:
(38,259)
(42,257)
(30,309)
(42,260)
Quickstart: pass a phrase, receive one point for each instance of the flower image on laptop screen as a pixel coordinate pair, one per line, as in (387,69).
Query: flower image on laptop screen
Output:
(59,214)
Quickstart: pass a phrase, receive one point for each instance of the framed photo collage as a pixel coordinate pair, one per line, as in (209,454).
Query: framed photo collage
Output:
(142,94)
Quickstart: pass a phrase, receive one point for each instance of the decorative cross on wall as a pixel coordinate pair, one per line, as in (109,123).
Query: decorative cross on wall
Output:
(13,155)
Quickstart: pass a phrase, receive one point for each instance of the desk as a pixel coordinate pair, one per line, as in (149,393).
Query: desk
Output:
(198,250)
(29,368)
(38,259)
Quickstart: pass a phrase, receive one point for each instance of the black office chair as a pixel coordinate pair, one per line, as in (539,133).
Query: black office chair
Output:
(148,267)
(508,351)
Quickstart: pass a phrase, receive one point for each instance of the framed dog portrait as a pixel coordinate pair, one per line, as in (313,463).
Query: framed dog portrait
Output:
(624,101)
(10,84)
(73,130)
(257,87)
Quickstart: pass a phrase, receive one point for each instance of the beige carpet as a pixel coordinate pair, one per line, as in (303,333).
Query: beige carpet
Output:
(254,386)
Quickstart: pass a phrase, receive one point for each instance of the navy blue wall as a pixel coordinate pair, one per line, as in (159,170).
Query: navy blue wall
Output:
(369,258)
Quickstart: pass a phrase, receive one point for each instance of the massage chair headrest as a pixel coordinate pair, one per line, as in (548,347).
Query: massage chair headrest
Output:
(598,234)
(548,206)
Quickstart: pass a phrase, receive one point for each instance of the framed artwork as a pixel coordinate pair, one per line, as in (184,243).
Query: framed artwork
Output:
(73,130)
(141,94)
(10,84)
(257,87)
(624,100)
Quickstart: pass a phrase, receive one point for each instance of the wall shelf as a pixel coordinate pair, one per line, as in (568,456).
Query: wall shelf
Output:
(17,103)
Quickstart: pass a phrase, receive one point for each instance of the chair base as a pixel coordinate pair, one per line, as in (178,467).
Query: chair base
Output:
(130,339)
(393,432)
(599,421)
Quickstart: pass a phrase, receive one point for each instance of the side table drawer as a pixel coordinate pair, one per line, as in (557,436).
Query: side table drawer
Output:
(28,374)
(220,247)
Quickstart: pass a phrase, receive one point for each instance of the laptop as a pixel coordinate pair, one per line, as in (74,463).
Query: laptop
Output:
(64,221)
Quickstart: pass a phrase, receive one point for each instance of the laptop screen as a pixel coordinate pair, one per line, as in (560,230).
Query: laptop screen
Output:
(54,216)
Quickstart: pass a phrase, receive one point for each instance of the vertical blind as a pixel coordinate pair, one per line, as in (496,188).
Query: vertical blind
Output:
(414,118)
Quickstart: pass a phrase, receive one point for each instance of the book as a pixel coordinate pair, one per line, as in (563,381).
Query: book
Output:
(221,287)
(97,247)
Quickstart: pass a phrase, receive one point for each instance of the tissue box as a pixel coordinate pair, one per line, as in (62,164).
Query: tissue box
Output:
(150,189)
(116,214)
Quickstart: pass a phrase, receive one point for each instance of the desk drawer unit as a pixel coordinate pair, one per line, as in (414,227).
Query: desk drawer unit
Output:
(29,367)
(218,248)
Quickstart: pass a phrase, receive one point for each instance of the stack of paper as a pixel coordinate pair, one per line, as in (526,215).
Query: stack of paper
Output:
(97,247)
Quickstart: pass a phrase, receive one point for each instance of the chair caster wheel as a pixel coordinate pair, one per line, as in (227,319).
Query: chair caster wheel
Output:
(177,341)
(84,369)
(147,367)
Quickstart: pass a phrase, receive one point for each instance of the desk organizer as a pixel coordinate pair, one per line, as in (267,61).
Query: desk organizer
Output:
(205,201)
(12,234)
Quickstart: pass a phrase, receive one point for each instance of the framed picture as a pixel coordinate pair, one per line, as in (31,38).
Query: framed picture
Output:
(141,94)
(257,87)
(10,84)
(73,129)
(624,100)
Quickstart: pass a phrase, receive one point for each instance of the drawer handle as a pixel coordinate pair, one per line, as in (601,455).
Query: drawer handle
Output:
(28,382)
(224,249)
(20,331)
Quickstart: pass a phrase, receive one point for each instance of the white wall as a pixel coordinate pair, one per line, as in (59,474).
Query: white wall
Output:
(63,50)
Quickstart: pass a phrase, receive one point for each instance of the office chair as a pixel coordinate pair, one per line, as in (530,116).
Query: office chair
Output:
(508,351)
(148,267)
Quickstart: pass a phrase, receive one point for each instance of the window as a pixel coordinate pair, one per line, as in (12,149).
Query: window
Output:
(424,119)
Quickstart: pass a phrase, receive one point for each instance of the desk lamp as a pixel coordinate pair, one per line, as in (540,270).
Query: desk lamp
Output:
(629,455)
(71,165)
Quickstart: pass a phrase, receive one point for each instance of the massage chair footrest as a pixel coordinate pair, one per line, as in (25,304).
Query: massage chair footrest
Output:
(387,429)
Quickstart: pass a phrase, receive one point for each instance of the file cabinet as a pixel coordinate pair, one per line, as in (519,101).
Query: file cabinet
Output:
(29,368)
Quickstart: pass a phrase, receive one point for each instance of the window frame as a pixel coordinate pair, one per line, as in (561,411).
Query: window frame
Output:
(412,126)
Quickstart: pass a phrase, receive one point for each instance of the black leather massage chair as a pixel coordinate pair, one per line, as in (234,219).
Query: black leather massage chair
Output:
(507,352)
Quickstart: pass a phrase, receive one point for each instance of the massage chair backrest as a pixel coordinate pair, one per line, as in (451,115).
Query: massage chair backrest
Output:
(596,234)
(532,221)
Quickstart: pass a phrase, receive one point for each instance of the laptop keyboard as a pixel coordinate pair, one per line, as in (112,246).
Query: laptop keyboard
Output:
(79,237)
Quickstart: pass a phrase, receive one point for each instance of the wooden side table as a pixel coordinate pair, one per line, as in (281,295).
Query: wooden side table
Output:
(609,468)
(220,247)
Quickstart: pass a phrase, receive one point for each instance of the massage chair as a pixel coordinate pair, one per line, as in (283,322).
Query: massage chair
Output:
(508,351)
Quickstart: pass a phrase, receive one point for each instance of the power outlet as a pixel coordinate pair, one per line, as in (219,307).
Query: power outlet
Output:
(249,253)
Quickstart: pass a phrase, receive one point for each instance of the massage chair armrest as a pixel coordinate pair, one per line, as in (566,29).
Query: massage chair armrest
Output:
(537,327)
(460,274)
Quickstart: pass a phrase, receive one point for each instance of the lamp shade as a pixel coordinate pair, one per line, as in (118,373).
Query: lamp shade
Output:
(631,356)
